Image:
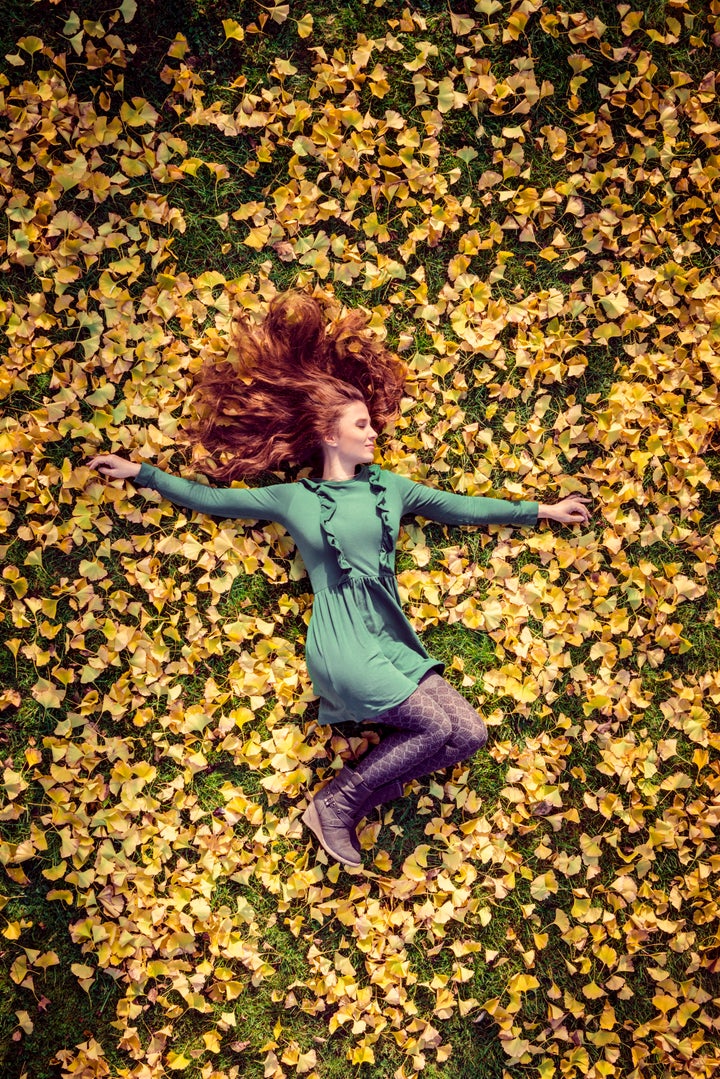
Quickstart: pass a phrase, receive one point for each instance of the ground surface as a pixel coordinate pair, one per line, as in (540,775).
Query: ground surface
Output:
(525,200)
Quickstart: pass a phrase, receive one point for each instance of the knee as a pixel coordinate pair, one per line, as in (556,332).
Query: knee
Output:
(479,735)
(438,733)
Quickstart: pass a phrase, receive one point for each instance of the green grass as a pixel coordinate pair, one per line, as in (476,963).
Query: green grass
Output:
(62,1011)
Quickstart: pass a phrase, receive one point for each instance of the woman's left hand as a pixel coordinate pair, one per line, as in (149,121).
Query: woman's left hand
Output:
(569,511)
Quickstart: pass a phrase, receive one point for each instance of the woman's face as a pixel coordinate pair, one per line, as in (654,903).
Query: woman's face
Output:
(354,439)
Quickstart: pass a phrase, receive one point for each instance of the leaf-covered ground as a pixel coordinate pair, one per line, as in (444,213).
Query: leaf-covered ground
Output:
(526,199)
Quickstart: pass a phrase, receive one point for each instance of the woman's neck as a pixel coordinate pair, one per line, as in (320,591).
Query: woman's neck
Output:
(338,478)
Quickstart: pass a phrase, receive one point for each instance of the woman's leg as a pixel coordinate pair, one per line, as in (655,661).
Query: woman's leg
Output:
(420,730)
(468,734)
(431,730)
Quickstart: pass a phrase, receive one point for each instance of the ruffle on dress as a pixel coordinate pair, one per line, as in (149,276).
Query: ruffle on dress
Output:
(328,506)
(327,512)
(387,545)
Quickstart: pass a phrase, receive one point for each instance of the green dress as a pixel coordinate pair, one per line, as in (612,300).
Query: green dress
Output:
(362,654)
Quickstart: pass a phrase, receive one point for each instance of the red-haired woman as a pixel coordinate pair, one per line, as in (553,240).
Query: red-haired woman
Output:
(311,387)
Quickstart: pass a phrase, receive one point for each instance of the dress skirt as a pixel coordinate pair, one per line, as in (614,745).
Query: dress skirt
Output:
(362,654)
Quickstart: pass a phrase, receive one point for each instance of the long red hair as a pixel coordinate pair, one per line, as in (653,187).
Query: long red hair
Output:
(284,384)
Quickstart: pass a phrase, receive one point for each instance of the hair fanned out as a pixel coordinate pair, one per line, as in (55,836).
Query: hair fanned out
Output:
(285,382)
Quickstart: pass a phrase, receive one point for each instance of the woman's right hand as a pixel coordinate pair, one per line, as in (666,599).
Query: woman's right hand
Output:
(114,467)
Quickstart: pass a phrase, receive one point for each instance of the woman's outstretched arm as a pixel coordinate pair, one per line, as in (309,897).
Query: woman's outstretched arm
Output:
(453,509)
(256,504)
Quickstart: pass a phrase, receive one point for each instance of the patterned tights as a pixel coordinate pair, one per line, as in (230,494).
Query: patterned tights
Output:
(433,729)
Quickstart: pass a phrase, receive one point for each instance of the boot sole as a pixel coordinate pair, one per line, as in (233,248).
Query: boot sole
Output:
(311,820)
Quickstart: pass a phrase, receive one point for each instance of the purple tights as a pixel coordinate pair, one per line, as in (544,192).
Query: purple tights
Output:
(433,729)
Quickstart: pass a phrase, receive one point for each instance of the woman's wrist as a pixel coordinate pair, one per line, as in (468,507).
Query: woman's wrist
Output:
(545,511)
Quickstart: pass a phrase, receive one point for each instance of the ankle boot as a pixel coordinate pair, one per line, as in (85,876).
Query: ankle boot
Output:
(387,793)
(331,813)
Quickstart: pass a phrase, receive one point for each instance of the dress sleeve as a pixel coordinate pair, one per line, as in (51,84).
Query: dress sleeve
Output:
(453,509)
(258,504)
